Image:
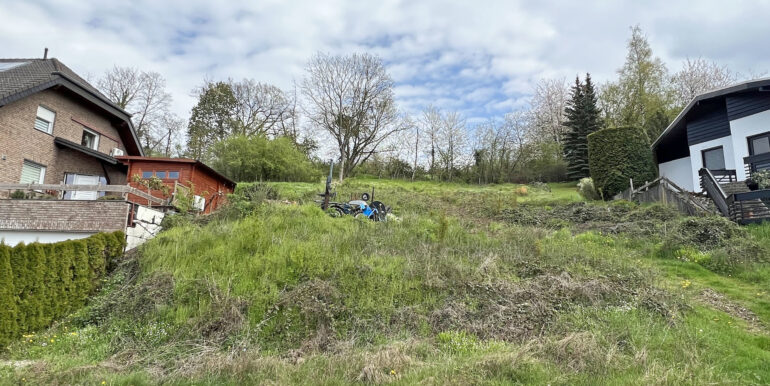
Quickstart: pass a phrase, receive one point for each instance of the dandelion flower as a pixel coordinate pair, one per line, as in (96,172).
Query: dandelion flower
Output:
(52,340)
(104,382)
(392,372)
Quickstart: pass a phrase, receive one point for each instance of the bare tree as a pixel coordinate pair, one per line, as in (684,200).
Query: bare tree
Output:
(351,97)
(501,146)
(169,135)
(260,108)
(548,103)
(143,95)
(698,76)
(290,127)
(452,142)
(431,123)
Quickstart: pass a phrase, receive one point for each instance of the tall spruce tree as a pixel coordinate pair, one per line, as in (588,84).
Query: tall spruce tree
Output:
(582,118)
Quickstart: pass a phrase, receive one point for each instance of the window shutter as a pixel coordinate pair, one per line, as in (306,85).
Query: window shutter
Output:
(44,120)
(41,125)
(31,173)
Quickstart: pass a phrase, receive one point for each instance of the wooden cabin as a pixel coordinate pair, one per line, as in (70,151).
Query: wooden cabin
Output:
(210,188)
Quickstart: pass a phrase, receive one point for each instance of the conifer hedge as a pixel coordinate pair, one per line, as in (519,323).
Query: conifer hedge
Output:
(42,282)
(616,154)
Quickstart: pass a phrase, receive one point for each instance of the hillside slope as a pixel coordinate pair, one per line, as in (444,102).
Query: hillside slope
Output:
(468,285)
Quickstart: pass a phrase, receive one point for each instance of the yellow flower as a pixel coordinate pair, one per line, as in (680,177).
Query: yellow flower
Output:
(392,372)
(686,283)
(104,382)
(52,340)
(73,333)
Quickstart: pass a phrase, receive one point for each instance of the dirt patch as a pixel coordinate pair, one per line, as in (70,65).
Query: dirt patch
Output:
(616,217)
(720,302)
(517,312)
(17,364)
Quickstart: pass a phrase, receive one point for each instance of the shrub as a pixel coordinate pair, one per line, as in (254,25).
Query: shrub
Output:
(40,283)
(587,190)
(261,159)
(8,298)
(616,155)
(18,195)
(761,178)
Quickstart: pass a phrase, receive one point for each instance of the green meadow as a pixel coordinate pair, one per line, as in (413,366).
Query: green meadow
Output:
(465,284)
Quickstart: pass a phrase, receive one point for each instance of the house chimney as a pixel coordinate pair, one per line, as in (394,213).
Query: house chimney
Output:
(45,53)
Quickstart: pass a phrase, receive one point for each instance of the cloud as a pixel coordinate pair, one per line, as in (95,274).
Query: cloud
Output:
(481,58)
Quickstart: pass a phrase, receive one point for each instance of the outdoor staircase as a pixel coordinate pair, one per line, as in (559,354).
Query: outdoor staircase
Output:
(749,208)
(733,198)
(735,187)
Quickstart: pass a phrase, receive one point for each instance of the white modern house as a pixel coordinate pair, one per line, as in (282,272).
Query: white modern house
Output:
(726,131)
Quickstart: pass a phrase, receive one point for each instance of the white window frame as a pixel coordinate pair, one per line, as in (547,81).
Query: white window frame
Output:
(96,138)
(42,170)
(44,119)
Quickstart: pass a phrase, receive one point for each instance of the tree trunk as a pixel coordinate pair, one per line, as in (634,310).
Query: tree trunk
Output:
(342,169)
(432,157)
(416,143)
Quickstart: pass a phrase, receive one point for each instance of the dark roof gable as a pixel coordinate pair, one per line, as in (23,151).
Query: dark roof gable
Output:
(30,76)
(750,88)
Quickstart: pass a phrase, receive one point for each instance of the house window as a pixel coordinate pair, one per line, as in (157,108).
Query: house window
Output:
(714,158)
(759,144)
(32,173)
(173,175)
(90,139)
(83,179)
(161,175)
(44,119)
(146,175)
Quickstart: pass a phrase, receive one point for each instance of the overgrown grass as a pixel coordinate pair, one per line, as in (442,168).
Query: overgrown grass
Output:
(470,285)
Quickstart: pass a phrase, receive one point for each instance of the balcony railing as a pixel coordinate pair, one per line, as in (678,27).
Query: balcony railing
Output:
(756,162)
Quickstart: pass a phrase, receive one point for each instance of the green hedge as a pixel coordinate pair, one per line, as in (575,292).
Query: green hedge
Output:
(42,282)
(617,154)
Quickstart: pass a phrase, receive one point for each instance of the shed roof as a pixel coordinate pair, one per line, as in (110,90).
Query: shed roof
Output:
(198,164)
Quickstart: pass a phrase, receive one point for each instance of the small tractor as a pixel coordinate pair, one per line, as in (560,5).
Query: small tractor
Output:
(359,208)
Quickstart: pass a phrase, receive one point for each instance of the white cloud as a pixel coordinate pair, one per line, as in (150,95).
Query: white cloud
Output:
(482,58)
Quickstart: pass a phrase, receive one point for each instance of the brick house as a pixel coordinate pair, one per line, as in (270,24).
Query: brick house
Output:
(210,188)
(56,128)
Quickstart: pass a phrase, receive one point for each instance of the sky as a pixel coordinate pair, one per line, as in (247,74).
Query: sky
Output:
(480,57)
